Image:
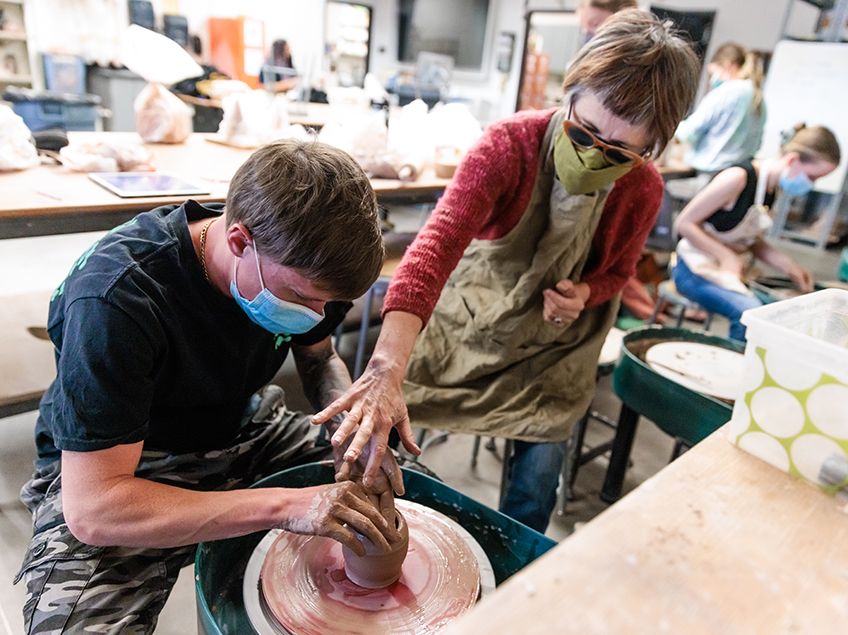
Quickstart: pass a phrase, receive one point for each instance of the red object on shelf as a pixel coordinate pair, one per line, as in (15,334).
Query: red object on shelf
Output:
(536,67)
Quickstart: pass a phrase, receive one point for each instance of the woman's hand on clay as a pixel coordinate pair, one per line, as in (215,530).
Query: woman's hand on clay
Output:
(563,304)
(336,511)
(372,406)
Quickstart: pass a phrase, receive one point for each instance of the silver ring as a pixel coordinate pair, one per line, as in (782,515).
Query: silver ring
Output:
(558,320)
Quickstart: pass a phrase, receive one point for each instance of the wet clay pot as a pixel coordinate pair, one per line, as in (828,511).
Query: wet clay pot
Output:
(376,569)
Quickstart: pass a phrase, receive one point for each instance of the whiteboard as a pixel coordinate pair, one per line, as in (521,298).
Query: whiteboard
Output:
(808,81)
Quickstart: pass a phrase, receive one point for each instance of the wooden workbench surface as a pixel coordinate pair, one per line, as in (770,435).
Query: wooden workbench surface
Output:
(717,543)
(49,193)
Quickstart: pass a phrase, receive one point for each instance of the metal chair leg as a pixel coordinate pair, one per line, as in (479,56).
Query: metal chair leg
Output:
(570,464)
(508,445)
(622,445)
(475,451)
(363,334)
(680,446)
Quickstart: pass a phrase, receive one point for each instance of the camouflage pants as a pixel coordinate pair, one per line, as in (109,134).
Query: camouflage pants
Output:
(77,588)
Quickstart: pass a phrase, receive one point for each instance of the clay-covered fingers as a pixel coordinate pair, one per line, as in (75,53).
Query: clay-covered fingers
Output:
(364,517)
(392,471)
(386,505)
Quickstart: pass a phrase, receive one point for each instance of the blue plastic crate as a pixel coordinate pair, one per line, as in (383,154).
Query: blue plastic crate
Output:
(42,109)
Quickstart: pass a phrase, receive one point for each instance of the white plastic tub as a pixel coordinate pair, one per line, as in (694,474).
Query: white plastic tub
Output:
(792,407)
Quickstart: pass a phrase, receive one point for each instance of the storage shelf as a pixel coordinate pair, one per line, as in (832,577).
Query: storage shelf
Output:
(16,79)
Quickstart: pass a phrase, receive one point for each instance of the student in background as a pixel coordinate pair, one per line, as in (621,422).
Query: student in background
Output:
(278,73)
(727,125)
(592,13)
(516,274)
(725,223)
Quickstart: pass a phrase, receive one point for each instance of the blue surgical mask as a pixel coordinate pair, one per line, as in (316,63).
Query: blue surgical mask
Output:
(272,313)
(797,185)
(716,80)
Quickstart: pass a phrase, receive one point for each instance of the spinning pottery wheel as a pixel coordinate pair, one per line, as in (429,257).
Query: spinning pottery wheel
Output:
(297,584)
(228,573)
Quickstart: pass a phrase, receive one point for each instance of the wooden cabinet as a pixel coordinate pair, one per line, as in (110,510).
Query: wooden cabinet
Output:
(15,58)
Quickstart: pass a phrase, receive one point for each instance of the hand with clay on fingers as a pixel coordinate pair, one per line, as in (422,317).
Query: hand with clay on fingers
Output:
(380,491)
(336,511)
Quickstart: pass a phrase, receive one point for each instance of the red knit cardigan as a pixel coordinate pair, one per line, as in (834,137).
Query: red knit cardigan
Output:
(487,197)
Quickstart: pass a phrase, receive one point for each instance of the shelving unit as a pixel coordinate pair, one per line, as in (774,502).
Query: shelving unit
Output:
(15,57)
(823,43)
(348,39)
(830,26)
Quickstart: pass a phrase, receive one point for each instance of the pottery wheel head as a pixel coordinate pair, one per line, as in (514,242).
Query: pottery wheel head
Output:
(304,590)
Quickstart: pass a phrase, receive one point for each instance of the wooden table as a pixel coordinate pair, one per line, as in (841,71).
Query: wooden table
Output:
(52,199)
(717,543)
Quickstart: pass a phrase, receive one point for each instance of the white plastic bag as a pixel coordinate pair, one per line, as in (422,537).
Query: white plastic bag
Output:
(255,118)
(17,149)
(107,157)
(160,116)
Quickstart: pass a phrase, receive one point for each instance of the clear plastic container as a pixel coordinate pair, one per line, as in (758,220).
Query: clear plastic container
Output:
(792,409)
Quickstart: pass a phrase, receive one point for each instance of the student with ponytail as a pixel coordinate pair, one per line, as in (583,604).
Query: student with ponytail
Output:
(727,126)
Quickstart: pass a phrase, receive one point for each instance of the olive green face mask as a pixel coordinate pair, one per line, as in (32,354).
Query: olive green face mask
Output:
(583,171)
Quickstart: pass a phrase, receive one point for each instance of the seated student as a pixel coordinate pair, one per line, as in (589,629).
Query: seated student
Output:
(278,73)
(727,220)
(164,332)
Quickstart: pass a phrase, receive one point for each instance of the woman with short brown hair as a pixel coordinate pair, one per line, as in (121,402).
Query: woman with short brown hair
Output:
(517,273)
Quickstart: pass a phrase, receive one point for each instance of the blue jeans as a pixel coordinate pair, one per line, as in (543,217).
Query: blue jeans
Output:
(714,298)
(534,471)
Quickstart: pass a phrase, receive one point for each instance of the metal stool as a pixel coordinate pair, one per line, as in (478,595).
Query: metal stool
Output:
(667,293)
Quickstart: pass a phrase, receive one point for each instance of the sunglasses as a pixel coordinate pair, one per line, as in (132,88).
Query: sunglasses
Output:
(613,154)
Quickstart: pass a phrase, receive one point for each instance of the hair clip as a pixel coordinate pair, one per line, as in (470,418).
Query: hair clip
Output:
(786,136)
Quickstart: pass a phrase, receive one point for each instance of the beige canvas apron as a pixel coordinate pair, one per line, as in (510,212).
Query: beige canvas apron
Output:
(487,362)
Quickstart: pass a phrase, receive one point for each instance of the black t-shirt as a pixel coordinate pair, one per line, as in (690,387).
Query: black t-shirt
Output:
(725,220)
(147,350)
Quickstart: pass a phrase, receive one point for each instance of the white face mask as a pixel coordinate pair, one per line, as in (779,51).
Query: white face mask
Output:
(272,313)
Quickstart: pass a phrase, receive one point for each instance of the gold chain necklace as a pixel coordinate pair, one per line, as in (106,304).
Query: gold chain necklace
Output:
(203,248)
